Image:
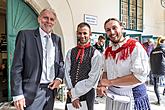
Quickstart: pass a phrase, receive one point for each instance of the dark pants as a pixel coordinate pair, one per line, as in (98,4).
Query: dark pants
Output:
(88,97)
(156,88)
(151,78)
(44,99)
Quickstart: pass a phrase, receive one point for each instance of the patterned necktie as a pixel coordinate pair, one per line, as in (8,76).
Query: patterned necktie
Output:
(50,55)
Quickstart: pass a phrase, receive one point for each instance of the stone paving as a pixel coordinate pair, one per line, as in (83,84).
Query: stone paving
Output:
(101,106)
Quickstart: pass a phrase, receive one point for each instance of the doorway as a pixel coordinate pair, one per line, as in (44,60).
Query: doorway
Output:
(15,15)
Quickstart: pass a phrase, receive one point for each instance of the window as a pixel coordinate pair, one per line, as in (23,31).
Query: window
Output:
(131,14)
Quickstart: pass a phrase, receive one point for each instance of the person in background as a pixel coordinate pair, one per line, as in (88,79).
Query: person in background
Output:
(3,68)
(100,44)
(126,68)
(82,69)
(157,61)
(37,69)
(149,46)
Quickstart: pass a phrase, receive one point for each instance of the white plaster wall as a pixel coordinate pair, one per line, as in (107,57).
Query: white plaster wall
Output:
(154,18)
(66,21)
(71,12)
(103,9)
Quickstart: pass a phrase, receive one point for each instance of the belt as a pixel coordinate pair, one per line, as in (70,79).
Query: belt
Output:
(44,85)
(116,86)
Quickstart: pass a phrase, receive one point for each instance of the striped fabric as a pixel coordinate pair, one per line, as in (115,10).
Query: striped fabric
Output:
(138,96)
(141,98)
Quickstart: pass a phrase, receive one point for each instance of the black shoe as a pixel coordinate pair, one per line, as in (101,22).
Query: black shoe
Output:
(96,102)
(156,103)
(164,92)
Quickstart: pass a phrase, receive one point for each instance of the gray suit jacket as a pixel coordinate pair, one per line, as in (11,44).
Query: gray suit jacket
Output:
(27,63)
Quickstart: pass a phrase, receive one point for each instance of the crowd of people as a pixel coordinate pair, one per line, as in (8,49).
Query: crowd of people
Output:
(118,71)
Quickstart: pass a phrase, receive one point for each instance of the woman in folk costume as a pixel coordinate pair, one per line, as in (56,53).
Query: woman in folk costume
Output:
(125,71)
(82,69)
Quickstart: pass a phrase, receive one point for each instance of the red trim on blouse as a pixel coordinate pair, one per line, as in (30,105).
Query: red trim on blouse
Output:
(125,50)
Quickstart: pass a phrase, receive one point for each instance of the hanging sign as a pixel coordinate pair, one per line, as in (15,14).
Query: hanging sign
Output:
(90,19)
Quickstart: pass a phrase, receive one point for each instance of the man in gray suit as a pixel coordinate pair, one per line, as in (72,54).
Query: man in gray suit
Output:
(37,69)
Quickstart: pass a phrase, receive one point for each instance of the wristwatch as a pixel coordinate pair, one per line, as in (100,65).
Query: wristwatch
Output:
(163,3)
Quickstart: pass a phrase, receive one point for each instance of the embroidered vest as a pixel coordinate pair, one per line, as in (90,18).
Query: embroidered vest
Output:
(79,71)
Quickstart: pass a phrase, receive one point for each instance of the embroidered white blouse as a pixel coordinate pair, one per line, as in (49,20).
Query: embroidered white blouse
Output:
(137,63)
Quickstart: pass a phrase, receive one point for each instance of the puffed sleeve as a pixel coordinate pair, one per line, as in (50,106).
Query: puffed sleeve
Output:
(67,70)
(140,63)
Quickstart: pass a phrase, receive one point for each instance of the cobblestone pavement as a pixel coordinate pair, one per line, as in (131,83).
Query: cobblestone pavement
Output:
(101,105)
(152,99)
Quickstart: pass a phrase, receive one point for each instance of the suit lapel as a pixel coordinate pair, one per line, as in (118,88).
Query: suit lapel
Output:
(39,44)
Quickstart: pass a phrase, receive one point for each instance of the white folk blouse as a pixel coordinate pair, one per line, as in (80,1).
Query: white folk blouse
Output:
(137,63)
(84,86)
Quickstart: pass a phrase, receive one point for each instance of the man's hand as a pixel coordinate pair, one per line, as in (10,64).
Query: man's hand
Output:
(20,104)
(54,84)
(101,91)
(69,94)
(105,82)
(76,103)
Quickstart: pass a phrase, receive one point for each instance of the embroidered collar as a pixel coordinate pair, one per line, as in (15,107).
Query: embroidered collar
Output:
(125,50)
(116,46)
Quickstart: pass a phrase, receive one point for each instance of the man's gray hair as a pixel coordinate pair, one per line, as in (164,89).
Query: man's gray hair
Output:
(48,9)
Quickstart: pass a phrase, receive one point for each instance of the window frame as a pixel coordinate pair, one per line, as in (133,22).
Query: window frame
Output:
(131,14)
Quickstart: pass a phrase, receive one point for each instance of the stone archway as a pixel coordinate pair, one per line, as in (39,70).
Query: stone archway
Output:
(65,28)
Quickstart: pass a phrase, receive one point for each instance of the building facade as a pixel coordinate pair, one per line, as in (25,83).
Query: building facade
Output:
(72,12)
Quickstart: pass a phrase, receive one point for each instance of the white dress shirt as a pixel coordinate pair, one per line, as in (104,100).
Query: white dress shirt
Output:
(44,78)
